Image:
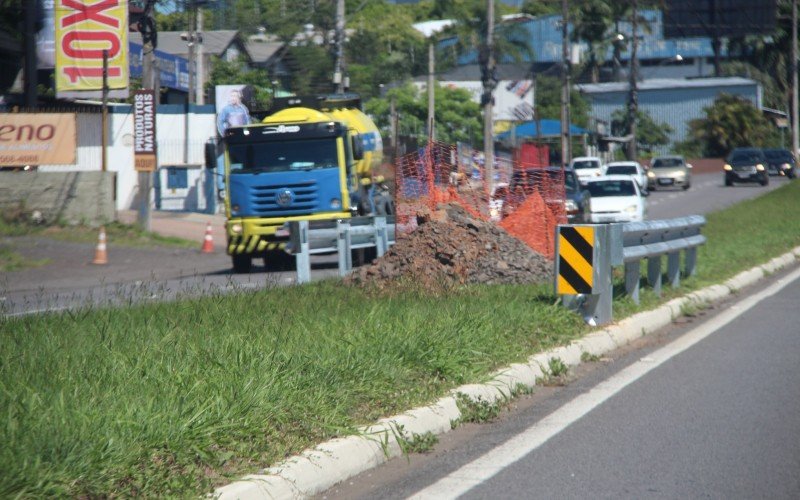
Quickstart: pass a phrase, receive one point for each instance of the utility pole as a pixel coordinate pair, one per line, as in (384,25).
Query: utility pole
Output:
(104,115)
(633,93)
(431,112)
(198,39)
(191,22)
(31,62)
(147,27)
(795,132)
(488,100)
(565,70)
(338,71)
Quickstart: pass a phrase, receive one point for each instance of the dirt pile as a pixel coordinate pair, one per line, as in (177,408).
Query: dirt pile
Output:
(454,247)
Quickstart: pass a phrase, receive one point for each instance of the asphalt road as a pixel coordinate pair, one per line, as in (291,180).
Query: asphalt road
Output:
(719,419)
(71,281)
(707,194)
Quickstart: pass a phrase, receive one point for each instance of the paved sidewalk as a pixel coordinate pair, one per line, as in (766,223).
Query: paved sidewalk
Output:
(186,225)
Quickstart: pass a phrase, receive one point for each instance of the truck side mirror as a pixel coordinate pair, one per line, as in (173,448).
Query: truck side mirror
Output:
(211,154)
(358,147)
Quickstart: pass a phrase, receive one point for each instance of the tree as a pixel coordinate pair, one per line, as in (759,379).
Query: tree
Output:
(729,123)
(649,134)
(458,117)
(548,101)
(382,49)
(236,73)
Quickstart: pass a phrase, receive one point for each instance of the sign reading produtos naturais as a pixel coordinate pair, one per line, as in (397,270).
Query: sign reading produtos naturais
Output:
(144,130)
(84,30)
(37,139)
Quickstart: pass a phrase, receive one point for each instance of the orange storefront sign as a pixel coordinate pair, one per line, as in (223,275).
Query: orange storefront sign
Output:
(37,139)
(84,30)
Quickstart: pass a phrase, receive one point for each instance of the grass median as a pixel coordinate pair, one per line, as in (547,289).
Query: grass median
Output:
(173,399)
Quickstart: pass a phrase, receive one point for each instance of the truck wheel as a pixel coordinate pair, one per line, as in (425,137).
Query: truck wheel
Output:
(242,263)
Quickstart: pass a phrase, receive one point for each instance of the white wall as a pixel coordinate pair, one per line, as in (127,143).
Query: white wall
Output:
(170,135)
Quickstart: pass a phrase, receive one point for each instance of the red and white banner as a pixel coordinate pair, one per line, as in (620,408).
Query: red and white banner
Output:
(84,30)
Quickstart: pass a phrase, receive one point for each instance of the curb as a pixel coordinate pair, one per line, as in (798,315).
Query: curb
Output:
(318,469)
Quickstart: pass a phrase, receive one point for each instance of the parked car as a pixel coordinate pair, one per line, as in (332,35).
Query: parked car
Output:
(632,168)
(669,171)
(616,198)
(746,165)
(586,167)
(780,162)
(576,202)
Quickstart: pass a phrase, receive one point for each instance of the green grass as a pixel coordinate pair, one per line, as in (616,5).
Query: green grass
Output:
(173,399)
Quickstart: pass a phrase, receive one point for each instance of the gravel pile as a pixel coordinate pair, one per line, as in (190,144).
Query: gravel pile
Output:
(452,247)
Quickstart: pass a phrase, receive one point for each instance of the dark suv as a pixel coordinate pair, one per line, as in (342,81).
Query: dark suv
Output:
(780,162)
(746,165)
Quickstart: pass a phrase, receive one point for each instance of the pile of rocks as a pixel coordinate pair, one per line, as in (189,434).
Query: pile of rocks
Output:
(452,247)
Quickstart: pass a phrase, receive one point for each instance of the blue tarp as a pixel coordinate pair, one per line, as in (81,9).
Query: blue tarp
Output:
(550,128)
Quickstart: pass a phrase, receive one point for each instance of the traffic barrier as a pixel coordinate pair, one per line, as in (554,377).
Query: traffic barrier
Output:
(340,236)
(208,241)
(586,254)
(100,253)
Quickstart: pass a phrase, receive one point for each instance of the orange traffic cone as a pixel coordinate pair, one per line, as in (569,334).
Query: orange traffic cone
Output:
(100,256)
(208,242)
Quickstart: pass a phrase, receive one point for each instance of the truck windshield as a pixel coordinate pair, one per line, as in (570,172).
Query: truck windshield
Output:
(283,156)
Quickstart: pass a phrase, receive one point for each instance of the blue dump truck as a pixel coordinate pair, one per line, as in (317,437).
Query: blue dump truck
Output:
(311,158)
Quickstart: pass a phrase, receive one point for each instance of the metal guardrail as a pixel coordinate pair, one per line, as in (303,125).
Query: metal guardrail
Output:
(340,236)
(587,261)
(653,239)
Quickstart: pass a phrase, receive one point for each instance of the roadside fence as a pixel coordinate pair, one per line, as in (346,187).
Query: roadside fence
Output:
(527,202)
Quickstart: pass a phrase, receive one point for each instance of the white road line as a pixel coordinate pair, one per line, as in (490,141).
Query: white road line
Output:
(483,468)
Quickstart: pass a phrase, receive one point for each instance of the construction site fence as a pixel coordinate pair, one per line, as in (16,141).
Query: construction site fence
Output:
(526,201)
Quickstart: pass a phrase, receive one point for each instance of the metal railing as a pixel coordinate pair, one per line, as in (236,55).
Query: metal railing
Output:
(341,236)
(626,244)
(652,240)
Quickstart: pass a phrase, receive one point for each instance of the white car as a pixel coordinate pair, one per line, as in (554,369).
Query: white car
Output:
(616,198)
(632,168)
(586,167)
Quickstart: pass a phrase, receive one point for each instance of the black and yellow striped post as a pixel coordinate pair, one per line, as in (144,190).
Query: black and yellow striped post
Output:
(575,260)
(583,270)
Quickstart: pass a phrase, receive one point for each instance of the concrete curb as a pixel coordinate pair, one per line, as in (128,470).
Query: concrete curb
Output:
(320,468)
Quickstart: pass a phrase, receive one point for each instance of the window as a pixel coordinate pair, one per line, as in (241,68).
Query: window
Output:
(599,189)
(283,156)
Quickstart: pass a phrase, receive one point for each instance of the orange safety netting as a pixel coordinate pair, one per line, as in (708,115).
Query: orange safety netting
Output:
(528,202)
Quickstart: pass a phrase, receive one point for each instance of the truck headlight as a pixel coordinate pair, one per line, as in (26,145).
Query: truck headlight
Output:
(336,203)
(760,167)
(728,167)
(632,209)
(236,228)
(570,206)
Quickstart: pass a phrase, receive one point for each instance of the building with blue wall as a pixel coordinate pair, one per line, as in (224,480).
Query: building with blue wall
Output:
(672,101)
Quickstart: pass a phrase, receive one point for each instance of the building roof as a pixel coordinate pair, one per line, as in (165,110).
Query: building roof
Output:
(428,28)
(214,42)
(261,52)
(665,84)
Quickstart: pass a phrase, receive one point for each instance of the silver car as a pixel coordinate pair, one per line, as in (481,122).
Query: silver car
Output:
(669,171)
